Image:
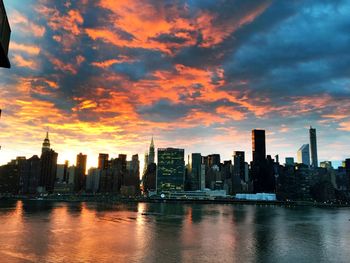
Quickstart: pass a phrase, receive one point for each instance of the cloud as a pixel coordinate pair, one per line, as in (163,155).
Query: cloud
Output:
(199,74)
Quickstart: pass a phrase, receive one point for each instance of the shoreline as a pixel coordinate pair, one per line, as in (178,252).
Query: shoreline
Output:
(118,199)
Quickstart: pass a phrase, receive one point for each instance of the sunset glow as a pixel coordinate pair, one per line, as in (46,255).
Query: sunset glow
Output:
(103,76)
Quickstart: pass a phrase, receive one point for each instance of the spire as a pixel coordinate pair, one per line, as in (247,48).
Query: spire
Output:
(152,142)
(47,135)
(46,143)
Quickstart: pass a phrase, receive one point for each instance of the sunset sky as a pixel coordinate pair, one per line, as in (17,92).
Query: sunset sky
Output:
(104,75)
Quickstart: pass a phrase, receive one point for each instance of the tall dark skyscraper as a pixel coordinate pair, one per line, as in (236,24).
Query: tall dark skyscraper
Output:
(170,170)
(263,180)
(5,33)
(347,171)
(313,147)
(80,172)
(48,166)
(194,170)
(239,164)
(103,161)
(258,145)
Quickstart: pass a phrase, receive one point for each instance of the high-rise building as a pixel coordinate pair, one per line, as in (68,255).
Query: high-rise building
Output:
(46,144)
(347,171)
(170,170)
(239,164)
(258,145)
(313,147)
(5,33)
(48,167)
(194,170)
(261,168)
(303,154)
(93,180)
(102,161)
(80,173)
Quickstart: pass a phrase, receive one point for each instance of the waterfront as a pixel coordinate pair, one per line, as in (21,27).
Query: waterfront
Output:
(42,231)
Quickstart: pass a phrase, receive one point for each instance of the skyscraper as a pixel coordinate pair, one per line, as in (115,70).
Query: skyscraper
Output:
(347,171)
(5,33)
(80,172)
(195,170)
(303,154)
(170,170)
(261,169)
(48,167)
(258,145)
(313,147)
(46,144)
(102,161)
(239,164)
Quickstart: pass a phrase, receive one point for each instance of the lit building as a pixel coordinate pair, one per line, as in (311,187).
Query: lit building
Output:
(303,154)
(5,33)
(313,147)
(170,170)
(326,164)
(195,171)
(102,161)
(80,172)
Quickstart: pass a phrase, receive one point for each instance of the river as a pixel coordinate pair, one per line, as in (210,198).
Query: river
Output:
(42,231)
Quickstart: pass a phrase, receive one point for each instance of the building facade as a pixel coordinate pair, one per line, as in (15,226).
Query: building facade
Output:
(170,170)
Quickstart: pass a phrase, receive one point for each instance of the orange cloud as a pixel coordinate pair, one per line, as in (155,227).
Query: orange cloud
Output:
(26,63)
(29,49)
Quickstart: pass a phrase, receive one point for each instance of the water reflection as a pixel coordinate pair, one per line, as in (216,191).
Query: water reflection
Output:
(145,232)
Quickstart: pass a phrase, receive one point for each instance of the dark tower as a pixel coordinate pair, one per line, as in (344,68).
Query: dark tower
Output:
(103,161)
(239,164)
(313,147)
(48,166)
(80,170)
(261,169)
(259,146)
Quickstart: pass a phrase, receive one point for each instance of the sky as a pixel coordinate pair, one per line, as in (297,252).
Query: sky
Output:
(104,76)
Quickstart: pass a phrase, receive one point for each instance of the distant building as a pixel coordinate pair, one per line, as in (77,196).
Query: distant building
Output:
(239,164)
(194,171)
(289,161)
(313,147)
(5,33)
(347,171)
(62,172)
(132,178)
(80,173)
(170,170)
(261,169)
(102,161)
(93,180)
(303,154)
(326,164)
(48,167)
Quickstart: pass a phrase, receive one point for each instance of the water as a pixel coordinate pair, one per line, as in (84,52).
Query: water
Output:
(39,231)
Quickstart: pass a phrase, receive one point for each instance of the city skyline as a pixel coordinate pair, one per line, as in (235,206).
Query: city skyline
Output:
(197,78)
(259,144)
